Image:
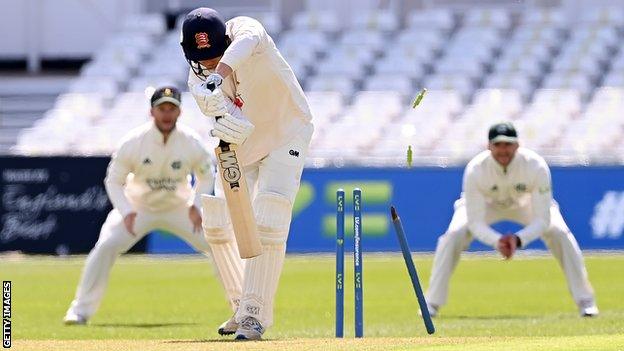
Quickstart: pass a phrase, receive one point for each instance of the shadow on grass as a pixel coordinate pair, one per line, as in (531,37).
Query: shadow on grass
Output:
(143,325)
(201,341)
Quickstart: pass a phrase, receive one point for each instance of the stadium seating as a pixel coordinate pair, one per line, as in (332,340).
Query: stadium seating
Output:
(559,78)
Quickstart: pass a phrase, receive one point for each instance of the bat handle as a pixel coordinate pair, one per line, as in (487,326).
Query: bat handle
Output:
(211,86)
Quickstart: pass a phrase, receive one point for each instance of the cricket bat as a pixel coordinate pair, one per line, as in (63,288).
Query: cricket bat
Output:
(237,198)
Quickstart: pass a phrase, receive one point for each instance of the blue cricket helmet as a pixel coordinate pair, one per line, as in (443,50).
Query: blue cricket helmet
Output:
(203,37)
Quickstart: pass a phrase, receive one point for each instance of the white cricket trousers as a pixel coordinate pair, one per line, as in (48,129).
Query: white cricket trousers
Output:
(273,183)
(115,240)
(557,238)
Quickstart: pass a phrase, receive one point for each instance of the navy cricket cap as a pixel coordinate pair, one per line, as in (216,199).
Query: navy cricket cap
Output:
(166,94)
(503,132)
(203,35)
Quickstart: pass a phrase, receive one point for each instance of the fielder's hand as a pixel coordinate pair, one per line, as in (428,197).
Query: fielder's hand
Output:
(211,102)
(196,220)
(232,130)
(507,245)
(129,222)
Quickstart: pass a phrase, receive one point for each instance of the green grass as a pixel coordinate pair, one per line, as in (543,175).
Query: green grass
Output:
(521,304)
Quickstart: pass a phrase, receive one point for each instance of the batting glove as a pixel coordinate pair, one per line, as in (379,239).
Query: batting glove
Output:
(211,102)
(232,130)
(214,78)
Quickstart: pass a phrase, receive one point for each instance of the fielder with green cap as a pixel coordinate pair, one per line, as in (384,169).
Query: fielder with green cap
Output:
(508,183)
(147,182)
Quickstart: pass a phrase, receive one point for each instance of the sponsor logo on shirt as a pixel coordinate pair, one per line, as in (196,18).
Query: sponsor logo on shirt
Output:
(205,168)
(504,203)
(167,184)
(607,222)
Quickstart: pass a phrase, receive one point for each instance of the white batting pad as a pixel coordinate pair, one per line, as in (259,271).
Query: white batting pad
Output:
(262,273)
(273,212)
(261,277)
(215,219)
(219,234)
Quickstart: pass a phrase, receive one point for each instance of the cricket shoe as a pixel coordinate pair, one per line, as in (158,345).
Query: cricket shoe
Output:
(228,327)
(249,329)
(74,319)
(433,310)
(588,308)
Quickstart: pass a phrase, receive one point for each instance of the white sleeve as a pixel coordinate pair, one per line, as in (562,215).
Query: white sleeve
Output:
(118,169)
(247,38)
(193,79)
(475,210)
(541,200)
(203,172)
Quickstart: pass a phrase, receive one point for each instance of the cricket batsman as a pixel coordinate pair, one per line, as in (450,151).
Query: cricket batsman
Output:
(510,183)
(264,112)
(148,184)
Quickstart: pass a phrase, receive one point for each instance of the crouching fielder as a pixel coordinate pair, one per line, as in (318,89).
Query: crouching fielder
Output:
(266,113)
(508,183)
(148,183)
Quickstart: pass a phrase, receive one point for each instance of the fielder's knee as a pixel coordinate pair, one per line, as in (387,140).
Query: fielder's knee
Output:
(215,220)
(556,233)
(107,247)
(273,212)
(453,236)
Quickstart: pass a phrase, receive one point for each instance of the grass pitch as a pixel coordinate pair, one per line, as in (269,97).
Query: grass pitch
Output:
(176,304)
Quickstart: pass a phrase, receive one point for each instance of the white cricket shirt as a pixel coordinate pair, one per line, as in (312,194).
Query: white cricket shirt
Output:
(524,183)
(146,173)
(273,100)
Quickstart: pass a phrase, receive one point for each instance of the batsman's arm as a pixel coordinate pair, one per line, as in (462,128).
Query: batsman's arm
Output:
(118,169)
(475,211)
(248,37)
(223,70)
(541,200)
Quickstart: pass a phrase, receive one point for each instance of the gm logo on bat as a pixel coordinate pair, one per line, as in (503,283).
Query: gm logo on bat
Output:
(229,165)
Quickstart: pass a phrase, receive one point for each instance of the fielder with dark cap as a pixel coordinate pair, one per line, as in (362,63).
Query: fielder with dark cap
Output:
(147,182)
(265,113)
(509,183)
